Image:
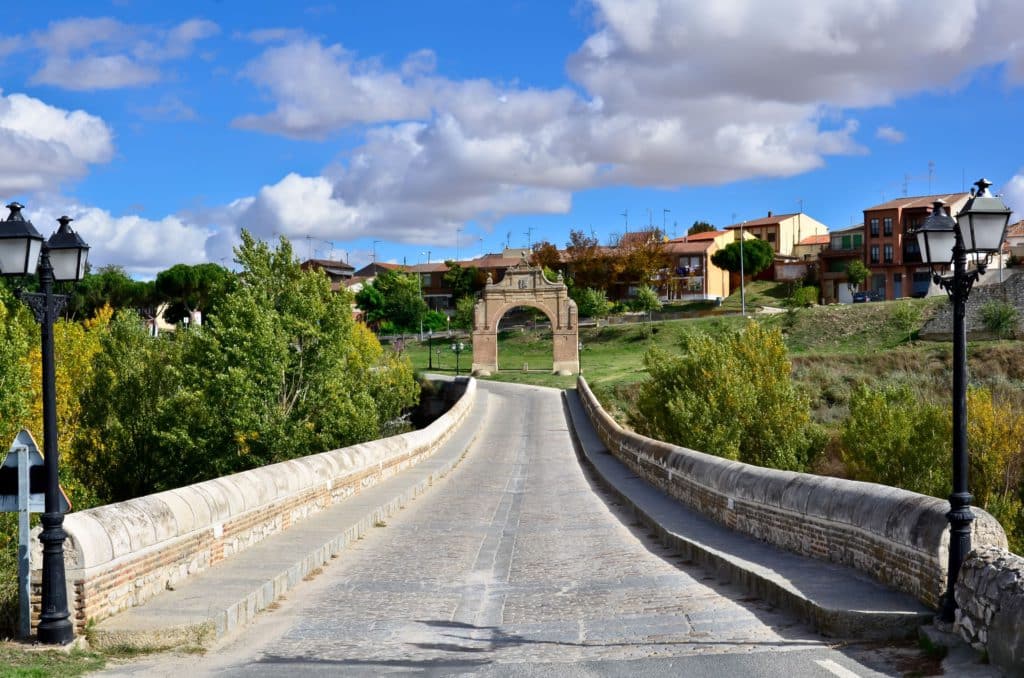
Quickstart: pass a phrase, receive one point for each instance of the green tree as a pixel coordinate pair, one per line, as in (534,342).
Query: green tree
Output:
(280,371)
(394,297)
(109,286)
(463,318)
(591,303)
(646,300)
(462,280)
(700,227)
(856,274)
(187,289)
(894,438)
(757,256)
(730,396)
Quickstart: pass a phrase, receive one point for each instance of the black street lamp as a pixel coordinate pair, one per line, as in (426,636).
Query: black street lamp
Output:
(979,229)
(457,349)
(61,258)
(430,346)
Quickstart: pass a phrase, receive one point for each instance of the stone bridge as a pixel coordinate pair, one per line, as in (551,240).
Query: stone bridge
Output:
(539,533)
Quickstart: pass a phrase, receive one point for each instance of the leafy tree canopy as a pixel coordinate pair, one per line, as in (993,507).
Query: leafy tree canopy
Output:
(462,280)
(700,227)
(192,288)
(591,303)
(757,256)
(393,296)
(856,274)
(546,255)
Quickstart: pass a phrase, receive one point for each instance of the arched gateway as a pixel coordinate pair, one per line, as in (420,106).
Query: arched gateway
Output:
(525,285)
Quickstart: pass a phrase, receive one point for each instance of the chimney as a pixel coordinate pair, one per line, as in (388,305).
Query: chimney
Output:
(769,212)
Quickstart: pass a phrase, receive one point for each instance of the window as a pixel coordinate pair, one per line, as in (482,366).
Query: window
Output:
(878,282)
(425,279)
(874,228)
(887,225)
(846,242)
(874,254)
(888,254)
(771,236)
(858,241)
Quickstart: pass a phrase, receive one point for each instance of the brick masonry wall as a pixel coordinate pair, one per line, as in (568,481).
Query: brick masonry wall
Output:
(120,555)
(1010,291)
(897,537)
(990,593)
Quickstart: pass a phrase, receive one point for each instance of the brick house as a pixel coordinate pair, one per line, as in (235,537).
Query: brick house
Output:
(891,254)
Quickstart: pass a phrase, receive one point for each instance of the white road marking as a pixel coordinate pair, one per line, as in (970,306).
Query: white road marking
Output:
(834,668)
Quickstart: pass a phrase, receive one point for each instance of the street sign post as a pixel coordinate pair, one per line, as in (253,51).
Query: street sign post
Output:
(23,489)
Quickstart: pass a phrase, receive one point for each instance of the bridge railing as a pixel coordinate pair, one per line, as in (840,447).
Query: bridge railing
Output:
(120,555)
(898,537)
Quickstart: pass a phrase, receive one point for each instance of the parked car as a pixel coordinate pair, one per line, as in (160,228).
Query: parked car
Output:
(868,295)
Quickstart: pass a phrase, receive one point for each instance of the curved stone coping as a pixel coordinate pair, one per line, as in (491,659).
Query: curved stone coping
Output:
(101,537)
(896,536)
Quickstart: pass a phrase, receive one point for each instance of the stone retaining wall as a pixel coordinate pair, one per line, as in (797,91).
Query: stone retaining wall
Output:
(897,537)
(990,593)
(120,555)
(1010,291)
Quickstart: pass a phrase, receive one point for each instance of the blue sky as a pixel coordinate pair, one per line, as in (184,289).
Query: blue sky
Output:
(455,127)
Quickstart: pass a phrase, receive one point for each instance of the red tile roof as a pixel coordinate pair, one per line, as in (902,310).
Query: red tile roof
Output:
(822,239)
(919,201)
(764,221)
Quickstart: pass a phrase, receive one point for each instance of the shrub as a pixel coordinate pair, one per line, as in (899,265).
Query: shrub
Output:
(646,300)
(905,317)
(805,296)
(999,318)
(730,396)
(893,438)
(592,303)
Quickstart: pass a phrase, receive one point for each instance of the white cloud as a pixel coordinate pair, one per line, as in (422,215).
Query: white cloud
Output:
(669,93)
(95,72)
(42,146)
(320,89)
(1013,195)
(144,247)
(890,134)
(104,53)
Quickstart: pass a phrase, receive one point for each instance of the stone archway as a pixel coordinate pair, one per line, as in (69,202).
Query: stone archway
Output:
(525,285)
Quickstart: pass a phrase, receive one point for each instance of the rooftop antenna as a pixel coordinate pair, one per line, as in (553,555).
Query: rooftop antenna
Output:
(675,228)
(529,238)
(625,215)
(664,213)
(508,240)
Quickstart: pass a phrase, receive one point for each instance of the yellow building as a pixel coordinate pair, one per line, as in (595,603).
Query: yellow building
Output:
(783,231)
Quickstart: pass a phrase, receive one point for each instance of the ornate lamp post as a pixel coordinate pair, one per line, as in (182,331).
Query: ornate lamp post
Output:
(457,349)
(979,229)
(61,258)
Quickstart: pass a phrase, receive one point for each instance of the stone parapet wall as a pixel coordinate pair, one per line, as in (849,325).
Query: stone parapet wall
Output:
(990,593)
(1010,291)
(898,537)
(120,555)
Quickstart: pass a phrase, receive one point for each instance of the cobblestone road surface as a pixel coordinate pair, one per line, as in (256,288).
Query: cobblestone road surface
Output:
(515,564)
